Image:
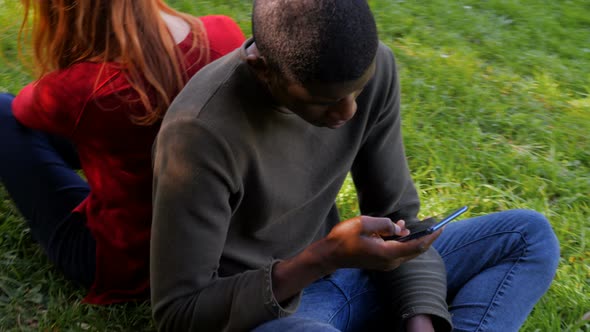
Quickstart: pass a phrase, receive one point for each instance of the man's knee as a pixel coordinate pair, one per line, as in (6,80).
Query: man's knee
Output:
(540,235)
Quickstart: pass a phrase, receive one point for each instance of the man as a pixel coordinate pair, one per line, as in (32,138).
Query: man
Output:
(248,163)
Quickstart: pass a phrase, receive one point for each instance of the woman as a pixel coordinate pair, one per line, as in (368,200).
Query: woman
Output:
(108,70)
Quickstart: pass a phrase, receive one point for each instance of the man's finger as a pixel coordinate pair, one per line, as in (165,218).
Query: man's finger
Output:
(404,249)
(429,239)
(412,248)
(380,226)
(402,231)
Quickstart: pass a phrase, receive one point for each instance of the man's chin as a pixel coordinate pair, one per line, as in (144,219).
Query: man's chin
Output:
(335,125)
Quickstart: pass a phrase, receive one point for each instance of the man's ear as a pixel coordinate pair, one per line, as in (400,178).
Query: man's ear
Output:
(258,64)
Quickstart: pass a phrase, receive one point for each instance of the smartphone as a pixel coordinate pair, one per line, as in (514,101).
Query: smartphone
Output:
(438,225)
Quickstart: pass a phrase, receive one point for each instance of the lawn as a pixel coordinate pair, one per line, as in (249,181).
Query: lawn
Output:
(496,115)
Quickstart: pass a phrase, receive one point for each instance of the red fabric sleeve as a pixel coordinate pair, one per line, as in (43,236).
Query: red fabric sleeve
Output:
(53,104)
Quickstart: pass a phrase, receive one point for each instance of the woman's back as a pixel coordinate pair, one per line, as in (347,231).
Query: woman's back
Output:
(96,106)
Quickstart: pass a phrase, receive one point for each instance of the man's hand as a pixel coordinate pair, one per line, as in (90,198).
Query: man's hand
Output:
(354,243)
(358,243)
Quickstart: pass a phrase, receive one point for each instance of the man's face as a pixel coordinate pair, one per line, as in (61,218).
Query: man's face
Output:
(323,105)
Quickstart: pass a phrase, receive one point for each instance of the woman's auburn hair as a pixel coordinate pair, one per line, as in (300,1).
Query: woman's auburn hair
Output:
(131,33)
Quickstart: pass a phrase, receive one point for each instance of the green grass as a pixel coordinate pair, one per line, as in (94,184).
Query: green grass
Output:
(496,115)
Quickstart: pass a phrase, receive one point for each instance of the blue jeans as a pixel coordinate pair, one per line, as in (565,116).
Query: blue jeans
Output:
(38,171)
(498,266)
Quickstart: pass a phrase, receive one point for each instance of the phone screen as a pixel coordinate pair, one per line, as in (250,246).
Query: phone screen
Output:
(438,225)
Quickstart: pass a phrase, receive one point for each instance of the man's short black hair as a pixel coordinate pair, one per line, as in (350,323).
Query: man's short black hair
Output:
(316,40)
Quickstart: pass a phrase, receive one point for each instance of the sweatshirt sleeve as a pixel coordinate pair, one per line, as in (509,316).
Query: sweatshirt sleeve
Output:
(380,170)
(194,180)
(52,104)
(385,188)
(418,287)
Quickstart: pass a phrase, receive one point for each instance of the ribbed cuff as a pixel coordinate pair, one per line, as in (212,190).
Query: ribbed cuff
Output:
(277,309)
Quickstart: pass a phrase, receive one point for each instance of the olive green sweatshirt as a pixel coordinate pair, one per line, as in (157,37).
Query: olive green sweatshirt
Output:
(240,184)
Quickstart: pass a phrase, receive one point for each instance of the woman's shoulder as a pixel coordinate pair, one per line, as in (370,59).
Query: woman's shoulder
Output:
(81,72)
(54,102)
(219,22)
(66,81)
(80,79)
(223,33)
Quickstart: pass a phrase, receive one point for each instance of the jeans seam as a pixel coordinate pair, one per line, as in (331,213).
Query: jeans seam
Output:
(522,236)
(494,302)
(346,303)
(509,274)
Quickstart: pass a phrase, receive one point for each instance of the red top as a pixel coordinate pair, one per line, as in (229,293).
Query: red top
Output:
(115,155)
